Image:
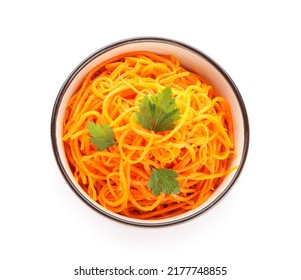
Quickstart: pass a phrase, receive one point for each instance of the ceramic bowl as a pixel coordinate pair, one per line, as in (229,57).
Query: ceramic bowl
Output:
(193,60)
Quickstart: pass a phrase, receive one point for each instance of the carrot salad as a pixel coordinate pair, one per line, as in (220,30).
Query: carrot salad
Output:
(141,154)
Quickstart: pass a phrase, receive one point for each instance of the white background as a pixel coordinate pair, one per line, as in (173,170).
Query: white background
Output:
(47,232)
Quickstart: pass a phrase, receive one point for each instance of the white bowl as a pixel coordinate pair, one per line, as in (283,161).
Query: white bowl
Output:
(193,60)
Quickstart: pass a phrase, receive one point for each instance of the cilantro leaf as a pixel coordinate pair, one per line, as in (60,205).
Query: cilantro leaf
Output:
(158,112)
(102,136)
(164,180)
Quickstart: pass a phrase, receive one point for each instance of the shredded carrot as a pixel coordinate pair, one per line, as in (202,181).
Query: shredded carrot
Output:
(199,148)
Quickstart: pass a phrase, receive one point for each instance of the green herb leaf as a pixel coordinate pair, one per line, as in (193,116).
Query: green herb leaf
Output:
(102,136)
(164,180)
(158,112)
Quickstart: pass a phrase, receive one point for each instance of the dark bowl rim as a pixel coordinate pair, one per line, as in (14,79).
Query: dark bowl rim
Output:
(87,60)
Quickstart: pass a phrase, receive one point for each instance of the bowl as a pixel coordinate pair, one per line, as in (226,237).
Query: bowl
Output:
(193,60)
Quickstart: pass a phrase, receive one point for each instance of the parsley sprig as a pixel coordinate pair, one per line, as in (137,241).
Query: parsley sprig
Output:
(158,112)
(163,180)
(102,136)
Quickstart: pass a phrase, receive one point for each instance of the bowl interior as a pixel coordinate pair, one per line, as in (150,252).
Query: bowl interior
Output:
(192,60)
